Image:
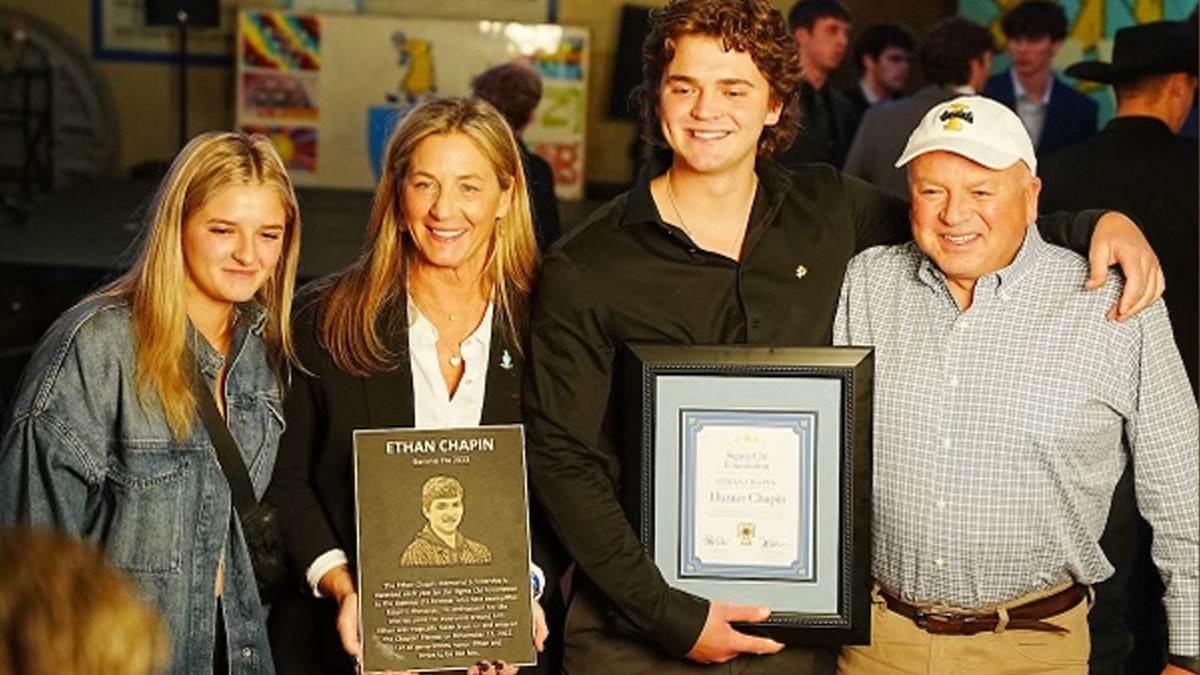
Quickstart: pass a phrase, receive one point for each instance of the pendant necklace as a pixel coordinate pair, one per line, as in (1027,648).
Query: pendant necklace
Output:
(679,215)
(671,198)
(455,359)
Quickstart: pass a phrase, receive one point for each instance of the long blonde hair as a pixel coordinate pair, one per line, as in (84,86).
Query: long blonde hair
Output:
(155,285)
(353,300)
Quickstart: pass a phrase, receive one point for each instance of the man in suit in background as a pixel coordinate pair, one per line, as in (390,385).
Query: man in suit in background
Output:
(515,89)
(1140,165)
(955,57)
(884,52)
(1054,114)
(827,118)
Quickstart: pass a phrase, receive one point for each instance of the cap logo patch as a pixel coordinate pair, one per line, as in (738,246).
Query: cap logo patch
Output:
(955,116)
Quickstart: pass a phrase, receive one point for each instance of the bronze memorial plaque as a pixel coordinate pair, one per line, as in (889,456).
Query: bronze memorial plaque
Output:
(443,547)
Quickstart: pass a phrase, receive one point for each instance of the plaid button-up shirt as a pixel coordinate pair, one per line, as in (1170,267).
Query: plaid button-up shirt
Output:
(1000,431)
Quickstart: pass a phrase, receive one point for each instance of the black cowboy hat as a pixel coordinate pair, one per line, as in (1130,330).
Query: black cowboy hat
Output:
(1144,49)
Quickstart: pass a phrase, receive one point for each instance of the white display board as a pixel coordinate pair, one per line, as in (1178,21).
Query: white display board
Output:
(327,88)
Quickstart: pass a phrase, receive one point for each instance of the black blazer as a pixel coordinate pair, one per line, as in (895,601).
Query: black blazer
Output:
(828,121)
(854,94)
(1138,167)
(313,482)
(1070,118)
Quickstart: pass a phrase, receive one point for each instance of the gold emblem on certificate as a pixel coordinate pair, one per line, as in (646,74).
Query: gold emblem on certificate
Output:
(746,533)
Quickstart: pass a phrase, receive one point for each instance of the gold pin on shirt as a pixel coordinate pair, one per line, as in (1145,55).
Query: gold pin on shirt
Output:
(801,271)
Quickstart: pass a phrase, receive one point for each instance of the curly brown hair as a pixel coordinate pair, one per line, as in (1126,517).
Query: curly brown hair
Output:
(750,26)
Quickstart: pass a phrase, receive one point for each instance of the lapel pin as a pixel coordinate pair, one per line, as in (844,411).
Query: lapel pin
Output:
(506,361)
(801,271)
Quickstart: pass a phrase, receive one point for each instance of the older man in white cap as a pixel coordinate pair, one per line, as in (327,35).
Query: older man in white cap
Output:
(1006,408)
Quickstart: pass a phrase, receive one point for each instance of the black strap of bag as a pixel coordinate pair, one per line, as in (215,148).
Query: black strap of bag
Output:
(260,523)
(228,454)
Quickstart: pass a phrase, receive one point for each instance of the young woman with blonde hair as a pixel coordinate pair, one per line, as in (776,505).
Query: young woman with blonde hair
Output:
(105,441)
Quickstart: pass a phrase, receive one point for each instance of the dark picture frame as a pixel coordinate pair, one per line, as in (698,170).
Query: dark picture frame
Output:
(755,479)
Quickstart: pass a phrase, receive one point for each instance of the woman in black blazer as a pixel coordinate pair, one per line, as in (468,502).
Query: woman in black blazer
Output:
(426,328)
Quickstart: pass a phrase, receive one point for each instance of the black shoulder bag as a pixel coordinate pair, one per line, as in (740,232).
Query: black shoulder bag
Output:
(260,522)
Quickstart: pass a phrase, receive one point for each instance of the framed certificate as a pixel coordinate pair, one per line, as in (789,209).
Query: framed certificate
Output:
(443,547)
(755,482)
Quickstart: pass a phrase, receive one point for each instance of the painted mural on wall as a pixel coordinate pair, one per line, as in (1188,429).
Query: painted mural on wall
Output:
(329,88)
(1093,23)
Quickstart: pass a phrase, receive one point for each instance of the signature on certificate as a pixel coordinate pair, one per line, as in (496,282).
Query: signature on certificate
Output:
(716,540)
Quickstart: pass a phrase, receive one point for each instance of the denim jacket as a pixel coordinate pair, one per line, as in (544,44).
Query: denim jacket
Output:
(84,456)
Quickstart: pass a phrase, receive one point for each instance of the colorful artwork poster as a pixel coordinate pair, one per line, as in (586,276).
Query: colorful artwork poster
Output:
(565,62)
(1091,27)
(561,110)
(297,146)
(280,41)
(275,95)
(362,74)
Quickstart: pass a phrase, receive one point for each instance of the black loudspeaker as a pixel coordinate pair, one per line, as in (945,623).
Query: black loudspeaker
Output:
(627,74)
(200,13)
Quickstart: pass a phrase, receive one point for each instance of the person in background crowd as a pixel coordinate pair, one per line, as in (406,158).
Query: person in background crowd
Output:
(884,53)
(827,118)
(1189,128)
(515,89)
(1054,114)
(1139,165)
(105,441)
(955,57)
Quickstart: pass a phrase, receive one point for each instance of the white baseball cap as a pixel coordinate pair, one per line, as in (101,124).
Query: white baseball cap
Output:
(982,130)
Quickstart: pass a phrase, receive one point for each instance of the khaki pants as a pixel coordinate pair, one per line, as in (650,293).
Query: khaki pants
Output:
(899,647)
